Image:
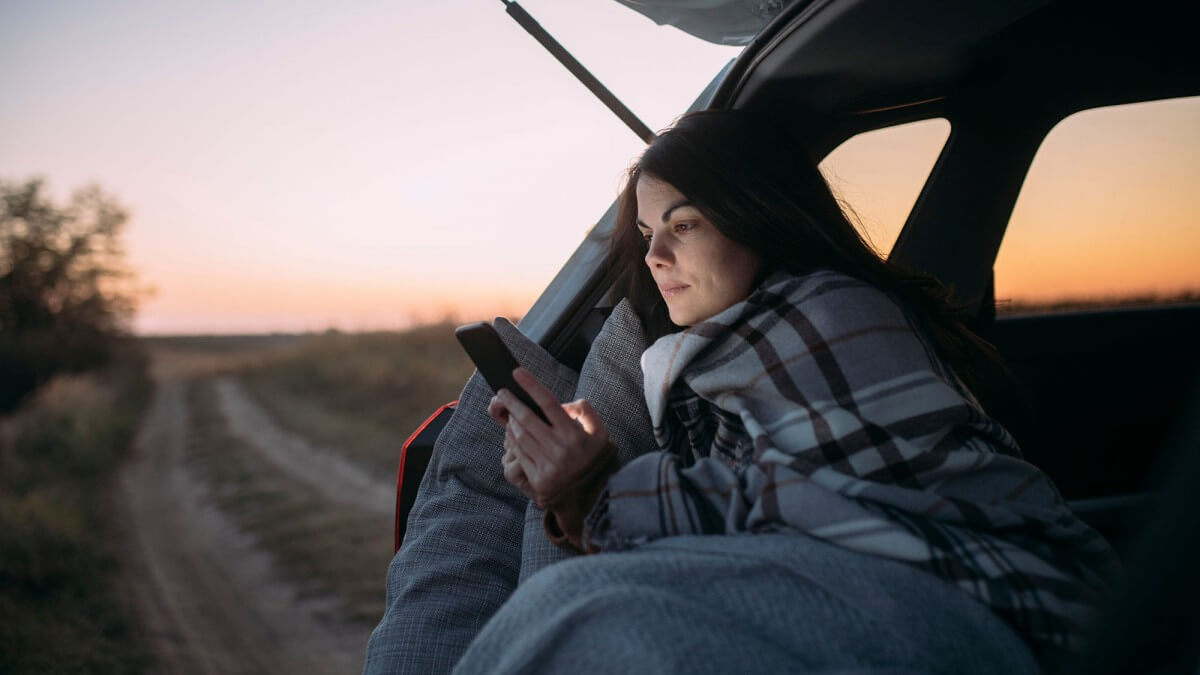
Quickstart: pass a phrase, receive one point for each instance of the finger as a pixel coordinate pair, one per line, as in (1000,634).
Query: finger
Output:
(539,464)
(514,475)
(518,410)
(543,397)
(508,457)
(532,426)
(528,448)
(581,411)
(512,466)
(509,441)
(497,410)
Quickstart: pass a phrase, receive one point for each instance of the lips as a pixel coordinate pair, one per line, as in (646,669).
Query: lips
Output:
(669,290)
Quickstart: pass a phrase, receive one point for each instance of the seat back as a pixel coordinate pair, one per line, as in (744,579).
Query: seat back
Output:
(414,460)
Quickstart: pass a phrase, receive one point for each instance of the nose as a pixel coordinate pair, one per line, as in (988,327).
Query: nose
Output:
(659,254)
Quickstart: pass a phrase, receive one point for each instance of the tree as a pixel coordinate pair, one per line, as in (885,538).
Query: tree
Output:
(66,291)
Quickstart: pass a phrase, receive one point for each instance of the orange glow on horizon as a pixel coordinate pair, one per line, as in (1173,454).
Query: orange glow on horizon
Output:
(315,307)
(1109,208)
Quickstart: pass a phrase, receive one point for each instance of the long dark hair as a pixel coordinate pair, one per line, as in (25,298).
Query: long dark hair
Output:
(758,185)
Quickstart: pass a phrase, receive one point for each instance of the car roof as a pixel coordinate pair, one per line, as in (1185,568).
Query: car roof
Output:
(845,65)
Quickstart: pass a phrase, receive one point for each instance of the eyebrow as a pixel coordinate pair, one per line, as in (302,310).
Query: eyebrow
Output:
(667,214)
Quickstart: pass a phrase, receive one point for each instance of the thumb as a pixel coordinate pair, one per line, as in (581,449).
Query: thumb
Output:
(582,411)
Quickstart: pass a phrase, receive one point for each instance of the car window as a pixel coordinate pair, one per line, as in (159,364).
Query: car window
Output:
(1109,213)
(878,175)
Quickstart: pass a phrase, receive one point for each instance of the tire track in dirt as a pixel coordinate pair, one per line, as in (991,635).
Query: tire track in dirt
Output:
(327,471)
(210,600)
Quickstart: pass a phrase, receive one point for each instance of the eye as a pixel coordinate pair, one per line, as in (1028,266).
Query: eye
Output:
(684,227)
(646,236)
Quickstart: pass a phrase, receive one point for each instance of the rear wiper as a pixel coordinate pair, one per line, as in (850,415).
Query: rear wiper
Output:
(564,57)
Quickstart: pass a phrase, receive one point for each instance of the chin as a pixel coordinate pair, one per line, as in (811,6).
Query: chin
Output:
(682,318)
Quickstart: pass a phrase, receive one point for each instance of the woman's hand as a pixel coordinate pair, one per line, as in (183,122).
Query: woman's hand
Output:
(543,460)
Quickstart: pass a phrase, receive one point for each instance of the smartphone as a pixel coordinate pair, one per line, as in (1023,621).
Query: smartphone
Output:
(494,361)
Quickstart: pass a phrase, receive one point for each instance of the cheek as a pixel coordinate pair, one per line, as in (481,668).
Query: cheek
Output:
(740,270)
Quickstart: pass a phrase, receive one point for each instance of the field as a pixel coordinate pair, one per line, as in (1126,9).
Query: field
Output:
(63,605)
(292,443)
(362,393)
(210,496)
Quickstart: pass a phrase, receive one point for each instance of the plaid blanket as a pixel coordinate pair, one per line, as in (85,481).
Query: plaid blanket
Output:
(817,406)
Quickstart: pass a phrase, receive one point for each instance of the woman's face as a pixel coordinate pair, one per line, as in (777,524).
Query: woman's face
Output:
(699,271)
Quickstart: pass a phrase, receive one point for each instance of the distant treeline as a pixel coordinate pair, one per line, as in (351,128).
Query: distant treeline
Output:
(1011,307)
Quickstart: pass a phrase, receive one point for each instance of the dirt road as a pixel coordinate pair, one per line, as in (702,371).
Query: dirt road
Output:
(324,469)
(211,600)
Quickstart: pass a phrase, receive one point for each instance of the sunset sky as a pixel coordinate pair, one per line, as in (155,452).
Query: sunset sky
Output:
(300,166)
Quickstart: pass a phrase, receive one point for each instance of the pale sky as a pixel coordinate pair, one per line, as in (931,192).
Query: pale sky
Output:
(302,165)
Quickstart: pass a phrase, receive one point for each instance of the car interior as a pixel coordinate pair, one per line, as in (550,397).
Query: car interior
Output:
(1096,391)
(1103,400)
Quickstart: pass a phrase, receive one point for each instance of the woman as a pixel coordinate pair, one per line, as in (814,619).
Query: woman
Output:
(815,400)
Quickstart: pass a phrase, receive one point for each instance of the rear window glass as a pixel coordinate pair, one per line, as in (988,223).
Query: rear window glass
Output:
(1109,214)
(879,174)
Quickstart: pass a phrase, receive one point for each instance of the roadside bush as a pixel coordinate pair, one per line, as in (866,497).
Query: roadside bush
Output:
(61,605)
(65,290)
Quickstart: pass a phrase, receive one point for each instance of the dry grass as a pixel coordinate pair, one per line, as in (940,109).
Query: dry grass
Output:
(362,393)
(61,609)
(325,549)
(226,344)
